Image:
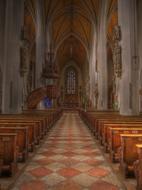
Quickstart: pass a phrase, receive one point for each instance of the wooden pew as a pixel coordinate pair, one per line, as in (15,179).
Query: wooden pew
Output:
(8,153)
(31,131)
(36,119)
(138,167)
(92,119)
(26,120)
(129,152)
(97,120)
(19,133)
(39,126)
(22,139)
(103,124)
(51,115)
(42,119)
(115,141)
(107,127)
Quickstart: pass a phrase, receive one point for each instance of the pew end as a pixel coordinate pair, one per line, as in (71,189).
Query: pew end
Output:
(8,154)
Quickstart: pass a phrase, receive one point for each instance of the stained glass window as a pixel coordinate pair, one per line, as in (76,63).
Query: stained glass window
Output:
(71,81)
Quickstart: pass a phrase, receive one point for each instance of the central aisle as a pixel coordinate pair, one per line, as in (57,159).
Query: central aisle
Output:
(68,160)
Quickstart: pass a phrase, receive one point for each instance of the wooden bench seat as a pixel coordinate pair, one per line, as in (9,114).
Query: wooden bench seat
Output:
(39,129)
(97,119)
(51,116)
(106,130)
(19,133)
(33,137)
(8,153)
(129,152)
(115,140)
(102,125)
(138,167)
(22,140)
(44,121)
(92,119)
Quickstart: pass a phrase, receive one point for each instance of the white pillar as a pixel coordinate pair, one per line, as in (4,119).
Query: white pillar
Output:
(102,62)
(129,98)
(2,31)
(2,35)
(139,24)
(40,42)
(92,70)
(12,82)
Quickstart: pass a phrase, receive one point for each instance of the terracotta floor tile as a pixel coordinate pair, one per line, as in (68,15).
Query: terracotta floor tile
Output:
(33,185)
(69,159)
(40,172)
(98,172)
(84,180)
(68,185)
(68,172)
(55,166)
(53,179)
(44,161)
(83,167)
(101,185)
(93,162)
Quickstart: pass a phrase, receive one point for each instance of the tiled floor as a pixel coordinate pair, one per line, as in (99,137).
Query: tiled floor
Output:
(69,160)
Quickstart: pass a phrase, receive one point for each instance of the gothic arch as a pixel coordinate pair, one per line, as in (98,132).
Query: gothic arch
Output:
(65,36)
(74,65)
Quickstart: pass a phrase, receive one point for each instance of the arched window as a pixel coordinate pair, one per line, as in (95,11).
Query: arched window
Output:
(71,81)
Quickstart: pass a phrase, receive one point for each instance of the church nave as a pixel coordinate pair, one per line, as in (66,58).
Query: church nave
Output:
(69,159)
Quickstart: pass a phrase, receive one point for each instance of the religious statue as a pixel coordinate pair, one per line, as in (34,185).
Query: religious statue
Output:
(24,49)
(96,93)
(117,51)
(116,33)
(25,63)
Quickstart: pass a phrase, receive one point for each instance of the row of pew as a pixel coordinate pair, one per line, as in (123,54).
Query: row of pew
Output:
(20,134)
(121,137)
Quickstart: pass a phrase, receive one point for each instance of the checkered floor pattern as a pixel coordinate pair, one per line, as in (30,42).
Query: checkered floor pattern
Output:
(69,159)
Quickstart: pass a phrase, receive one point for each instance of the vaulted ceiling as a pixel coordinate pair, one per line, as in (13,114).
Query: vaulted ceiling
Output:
(71,49)
(71,23)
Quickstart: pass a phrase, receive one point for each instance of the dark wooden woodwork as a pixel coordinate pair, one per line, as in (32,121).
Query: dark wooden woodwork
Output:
(19,133)
(8,153)
(35,97)
(114,142)
(138,167)
(22,139)
(129,153)
(32,139)
(106,132)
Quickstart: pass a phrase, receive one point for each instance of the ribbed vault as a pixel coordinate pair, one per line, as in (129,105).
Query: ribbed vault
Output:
(71,24)
(71,49)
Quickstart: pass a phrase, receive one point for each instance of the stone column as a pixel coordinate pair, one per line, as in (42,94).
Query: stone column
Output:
(92,72)
(139,24)
(40,42)
(2,31)
(129,98)
(12,83)
(2,34)
(102,62)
